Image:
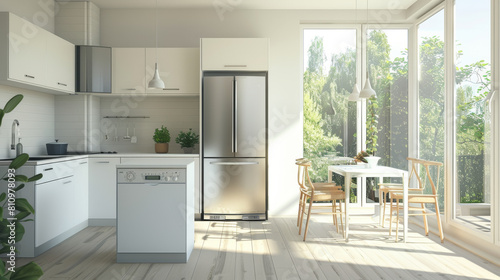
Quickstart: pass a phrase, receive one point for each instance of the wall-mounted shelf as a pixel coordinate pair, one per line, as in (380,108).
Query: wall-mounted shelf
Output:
(127,117)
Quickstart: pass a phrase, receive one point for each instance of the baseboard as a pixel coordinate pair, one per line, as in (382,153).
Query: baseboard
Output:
(102,222)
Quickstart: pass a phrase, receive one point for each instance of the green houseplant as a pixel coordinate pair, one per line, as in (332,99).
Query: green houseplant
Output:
(187,140)
(11,228)
(161,138)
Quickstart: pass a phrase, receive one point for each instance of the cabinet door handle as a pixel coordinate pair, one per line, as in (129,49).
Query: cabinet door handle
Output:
(29,76)
(129,89)
(103,162)
(48,169)
(171,89)
(83,162)
(67,182)
(235,65)
(62,84)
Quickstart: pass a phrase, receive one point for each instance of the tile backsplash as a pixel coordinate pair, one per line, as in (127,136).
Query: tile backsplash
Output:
(144,115)
(35,114)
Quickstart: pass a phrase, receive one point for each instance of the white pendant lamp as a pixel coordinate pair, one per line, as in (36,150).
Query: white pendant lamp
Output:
(354,96)
(156,82)
(367,91)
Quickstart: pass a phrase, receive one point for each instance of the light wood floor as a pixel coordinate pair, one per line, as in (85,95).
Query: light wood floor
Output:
(274,250)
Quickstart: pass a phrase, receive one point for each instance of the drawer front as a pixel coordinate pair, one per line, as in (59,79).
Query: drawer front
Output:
(54,171)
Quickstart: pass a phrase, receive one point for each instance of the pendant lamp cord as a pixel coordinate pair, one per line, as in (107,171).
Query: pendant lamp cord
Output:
(156,34)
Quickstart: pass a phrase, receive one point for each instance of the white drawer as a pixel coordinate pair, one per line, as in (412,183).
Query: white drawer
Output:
(54,171)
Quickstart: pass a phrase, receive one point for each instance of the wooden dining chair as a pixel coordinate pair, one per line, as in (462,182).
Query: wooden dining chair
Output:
(319,186)
(418,196)
(317,192)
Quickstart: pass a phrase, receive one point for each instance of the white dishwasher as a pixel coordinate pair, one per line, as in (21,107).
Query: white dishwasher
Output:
(155,221)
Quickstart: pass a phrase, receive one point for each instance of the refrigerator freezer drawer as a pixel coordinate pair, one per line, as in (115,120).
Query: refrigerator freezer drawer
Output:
(234,186)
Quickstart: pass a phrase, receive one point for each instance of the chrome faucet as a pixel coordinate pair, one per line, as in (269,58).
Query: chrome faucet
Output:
(13,143)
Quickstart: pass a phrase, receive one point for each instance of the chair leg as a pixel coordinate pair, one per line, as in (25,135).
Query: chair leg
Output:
(440,227)
(300,208)
(426,225)
(334,215)
(383,211)
(390,215)
(304,199)
(307,220)
(341,222)
(397,219)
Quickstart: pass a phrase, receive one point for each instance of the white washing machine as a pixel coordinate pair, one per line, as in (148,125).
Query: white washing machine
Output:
(155,214)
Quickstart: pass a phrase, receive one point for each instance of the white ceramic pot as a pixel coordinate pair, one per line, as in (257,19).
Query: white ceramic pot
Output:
(372,161)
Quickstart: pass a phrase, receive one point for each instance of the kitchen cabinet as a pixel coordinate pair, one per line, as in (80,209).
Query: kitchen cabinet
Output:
(234,54)
(34,58)
(81,191)
(60,64)
(128,70)
(54,210)
(179,68)
(24,50)
(102,191)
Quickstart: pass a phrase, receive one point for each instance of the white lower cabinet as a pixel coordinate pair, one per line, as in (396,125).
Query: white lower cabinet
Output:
(81,193)
(54,208)
(102,191)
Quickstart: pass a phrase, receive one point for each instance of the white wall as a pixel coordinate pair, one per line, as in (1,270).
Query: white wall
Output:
(35,114)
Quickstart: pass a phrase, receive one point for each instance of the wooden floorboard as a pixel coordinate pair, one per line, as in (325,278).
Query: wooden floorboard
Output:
(273,249)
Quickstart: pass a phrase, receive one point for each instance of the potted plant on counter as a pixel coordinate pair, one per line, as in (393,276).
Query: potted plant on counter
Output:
(161,138)
(187,140)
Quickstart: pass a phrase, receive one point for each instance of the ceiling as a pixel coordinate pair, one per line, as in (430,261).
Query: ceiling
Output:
(253,4)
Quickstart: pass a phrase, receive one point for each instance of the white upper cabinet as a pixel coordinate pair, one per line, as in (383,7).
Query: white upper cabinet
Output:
(34,58)
(179,69)
(128,70)
(60,57)
(235,54)
(26,49)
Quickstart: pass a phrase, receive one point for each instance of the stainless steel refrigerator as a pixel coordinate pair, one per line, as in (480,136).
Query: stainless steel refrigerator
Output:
(234,146)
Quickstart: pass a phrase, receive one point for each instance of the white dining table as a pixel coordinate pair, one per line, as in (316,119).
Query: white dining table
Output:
(350,171)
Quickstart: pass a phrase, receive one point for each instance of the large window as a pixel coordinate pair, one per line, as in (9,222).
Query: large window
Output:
(387,113)
(329,75)
(431,95)
(472,120)
(332,123)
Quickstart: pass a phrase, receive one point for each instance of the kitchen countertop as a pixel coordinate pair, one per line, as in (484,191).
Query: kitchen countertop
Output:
(59,158)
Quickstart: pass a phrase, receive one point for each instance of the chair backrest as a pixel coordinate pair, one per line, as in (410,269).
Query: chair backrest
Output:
(303,174)
(416,164)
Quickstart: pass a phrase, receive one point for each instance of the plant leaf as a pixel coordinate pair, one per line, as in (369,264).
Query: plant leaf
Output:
(20,187)
(1,116)
(19,161)
(30,271)
(2,268)
(22,215)
(23,205)
(19,231)
(2,196)
(36,177)
(12,103)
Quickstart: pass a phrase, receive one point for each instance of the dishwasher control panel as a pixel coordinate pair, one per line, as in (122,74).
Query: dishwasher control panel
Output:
(151,175)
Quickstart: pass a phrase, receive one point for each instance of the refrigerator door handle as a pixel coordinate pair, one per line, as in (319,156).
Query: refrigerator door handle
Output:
(235,116)
(232,117)
(234,163)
